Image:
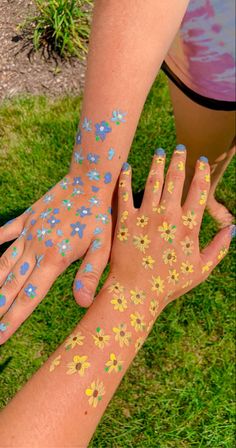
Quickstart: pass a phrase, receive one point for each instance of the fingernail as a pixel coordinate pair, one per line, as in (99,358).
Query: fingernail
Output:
(203,159)
(125,166)
(233,231)
(160,152)
(180,147)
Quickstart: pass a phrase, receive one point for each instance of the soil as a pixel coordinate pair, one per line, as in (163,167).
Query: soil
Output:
(23,71)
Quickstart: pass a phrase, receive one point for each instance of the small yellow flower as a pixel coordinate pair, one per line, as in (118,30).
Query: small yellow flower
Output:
(156,186)
(187,246)
(119,303)
(124,216)
(187,284)
(159,160)
(170,187)
(114,364)
(158,209)
(180,166)
(186,268)
(125,196)
(222,253)
(116,288)
(101,339)
(189,220)
(206,267)
(73,340)
(173,276)
(137,321)
(123,233)
(207,177)
(157,284)
(78,365)
(167,231)
(148,262)
(95,392)
(203,197)
(142,221)
(153,308)
(122,183)
(122,335)
(137,296)
(141,242)
(169,256)
(55,362)
(139,343)
(202,166)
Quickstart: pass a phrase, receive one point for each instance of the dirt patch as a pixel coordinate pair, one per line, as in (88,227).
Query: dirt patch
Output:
(21,73)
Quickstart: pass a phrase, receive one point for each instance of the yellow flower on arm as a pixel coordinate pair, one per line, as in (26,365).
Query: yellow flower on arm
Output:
(148,262)
(222,253)
(101,339)
(55,362)
(187,246)
(95,392)
(206,267)
(114,364)
(189,220)
(157,284)
(173,276)
(142,221)
(123,233)
(73,340)
(203,197)
(78,365)
(170,187)
(141,242)
(139,343)
(153,308)
(169,256)
(122,335)
(116,288)
(137,321)
(137,296)
(167,231)
(156,186)
(186,268)
(124,216)
(119,303)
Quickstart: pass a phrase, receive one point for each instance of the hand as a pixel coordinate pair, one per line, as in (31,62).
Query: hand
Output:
(72,219)
(155,255)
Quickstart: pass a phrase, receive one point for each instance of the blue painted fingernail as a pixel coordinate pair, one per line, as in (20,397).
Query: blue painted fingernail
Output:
(233,231)
(160,152)
(203,159)
(125,166)
(180,147)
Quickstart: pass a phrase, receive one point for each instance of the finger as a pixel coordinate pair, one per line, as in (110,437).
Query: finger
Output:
(125,195)
(11,229)
(12,286)
(174,181)
(217,249)
(9,258)
(154,184)
(90,271)
(195,203)
(31,294)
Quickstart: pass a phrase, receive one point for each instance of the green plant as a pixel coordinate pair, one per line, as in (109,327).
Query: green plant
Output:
(60,26)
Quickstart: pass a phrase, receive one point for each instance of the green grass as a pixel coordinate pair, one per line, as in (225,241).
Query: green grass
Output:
(179,391)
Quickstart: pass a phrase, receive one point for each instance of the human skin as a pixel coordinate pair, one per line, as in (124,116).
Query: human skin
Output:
(64,401)
(65,225)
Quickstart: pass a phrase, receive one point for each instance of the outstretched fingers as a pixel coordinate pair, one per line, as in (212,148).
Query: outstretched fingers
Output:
(12,229)
(217,249)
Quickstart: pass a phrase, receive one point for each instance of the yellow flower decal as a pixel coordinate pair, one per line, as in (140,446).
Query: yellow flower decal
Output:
(153,308)
(189,220)
(180,166)
(142,221)
(78,365)
(187,246)
(203,197)
(159,160)
(137,296)
(157,284)
(173,276)
(156,186)
(123,234)
(187,284)
(141,242)
(137,321)
(125,196)
(207,177)
(222,253)
(169,257)
(124,216)
(148,262)
(202,166)
(116,288)
(139,343)
(186,268)
(95,393)
(122,336)
(207,267)
(119,303)
(170,187)
(101,339)
(122,183)
(167,231)
(114,364)
(160,209)
(55,362)
(73,340)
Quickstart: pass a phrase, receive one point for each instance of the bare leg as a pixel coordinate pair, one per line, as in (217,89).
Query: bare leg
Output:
(205,132)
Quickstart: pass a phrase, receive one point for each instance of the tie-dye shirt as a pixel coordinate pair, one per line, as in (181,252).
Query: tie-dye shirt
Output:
(202,55)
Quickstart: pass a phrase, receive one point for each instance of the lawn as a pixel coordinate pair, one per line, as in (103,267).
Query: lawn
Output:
(179,391)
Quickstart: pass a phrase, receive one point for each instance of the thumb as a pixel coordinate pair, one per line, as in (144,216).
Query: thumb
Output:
(217,249)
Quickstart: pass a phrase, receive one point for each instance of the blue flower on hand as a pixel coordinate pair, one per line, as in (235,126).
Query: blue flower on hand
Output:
(64,184)
(96,244)
(38,259)
(102,129)
(53,221)
(78,229)
(77,191)
(78,285)
(92,158)
(42,233)
(107,178)
(49,243)
(94,201)
(87,124)
(95,189)
(24,268)
(103,218)
(118,116)
(64,247)
(2,300)
(88,267)
(48,198)
(30,291)
(78,137)
(111,154)
(97,231)
(3,327)
(78,158)
(77,181)
(93,175)
(83,211)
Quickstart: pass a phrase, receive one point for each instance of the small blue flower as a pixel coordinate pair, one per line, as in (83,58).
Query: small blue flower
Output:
(53,221)
(92,158)
(49,243)
(64,184)
(48,198)
(38,259)
(111,154)
(23,233)
(88,267)
(78,137)
(118,116)
(102,129)
(64,247)
(67,204)
(95,189)
(56,211)
(24,268)
(77,191)
(94,201)
(78,285)
(14,252)
(83,211)
(97,231)
(42,233)
(78,229)
(9,278)
(3,327)
(30,291)
(59,232)
(78,158)
(107,178)
(29,211)
(87,124)
(96,244)
(103,218)
(93,175)
(46,213)
(33,222)
(29,237)
(2,300)
(77,181)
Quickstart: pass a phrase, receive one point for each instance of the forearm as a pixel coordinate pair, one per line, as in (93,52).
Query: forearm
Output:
(128,43)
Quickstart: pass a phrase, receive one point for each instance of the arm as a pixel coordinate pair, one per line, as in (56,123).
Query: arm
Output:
(64,401)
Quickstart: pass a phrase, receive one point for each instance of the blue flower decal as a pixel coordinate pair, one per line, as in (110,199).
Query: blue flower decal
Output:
(97,231)
(49,243)
(88,267)
(3,327)
(67,204)
(92,158)
(33,222)
(87,124)
(93,175)
(83,211)
(78,285)
(111,154)
(46,213)
(95,189)
(101,130)
(78,229)
(78,137)
(38,259)
(77,191)
(48,198)
(30,291)
(2,300)
(64,247)
(24,268)
(77,181)
(107,178)
(96,244)
(42,233)
(94,201)
(103,218)
(64,184)
(118,116)
(53,221)
(29,237)
(78,158)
